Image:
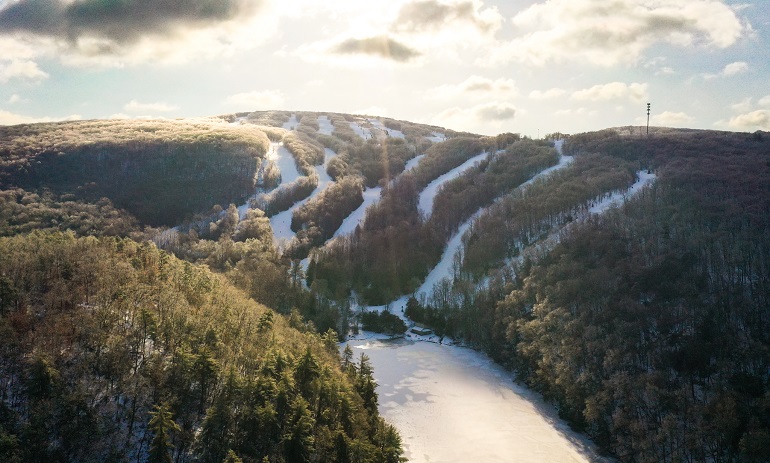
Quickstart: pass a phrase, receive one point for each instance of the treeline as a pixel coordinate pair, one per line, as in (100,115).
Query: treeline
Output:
(646,326)
(395,249)
(161,172)
(22,212)
(116,351)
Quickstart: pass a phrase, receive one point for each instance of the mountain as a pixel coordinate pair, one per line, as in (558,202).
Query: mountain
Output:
(624,276)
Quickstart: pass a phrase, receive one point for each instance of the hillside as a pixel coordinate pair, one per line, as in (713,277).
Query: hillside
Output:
(115,351)
(624,277)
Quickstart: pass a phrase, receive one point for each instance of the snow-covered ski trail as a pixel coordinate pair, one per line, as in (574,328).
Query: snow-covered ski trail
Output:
(427,195)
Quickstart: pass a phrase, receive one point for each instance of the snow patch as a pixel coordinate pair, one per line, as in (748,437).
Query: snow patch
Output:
(292,123)
(437,137)
(377,124)
(371,196)
(325,126)
(425,204)
(360,130)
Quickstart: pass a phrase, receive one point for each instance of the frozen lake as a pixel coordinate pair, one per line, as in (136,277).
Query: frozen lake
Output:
(452,404)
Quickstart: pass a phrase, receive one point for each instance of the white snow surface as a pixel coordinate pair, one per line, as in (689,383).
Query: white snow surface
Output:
(377,124)
(360,130)
(425,204)
(371,196)
(281,222)
(437,137)
(452,404)
(285,162)
(412,163)
(617,198)
(325,126)
(292,123)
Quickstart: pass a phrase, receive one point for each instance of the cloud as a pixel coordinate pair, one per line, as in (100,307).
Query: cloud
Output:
(735,68)
(614,90)
(495,112)
(137,107)
(21,69)
(256,100)
(118,22)
(431,15)
(764,101)
(484,118)
(117,33)
(729,70)
(669,118)
(15,99)
(753,120)
(476,86)
(550,94)
(610,33)
(9,118)
(381,46)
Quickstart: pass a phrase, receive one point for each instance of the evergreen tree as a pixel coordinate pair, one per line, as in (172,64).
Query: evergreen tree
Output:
(161,424)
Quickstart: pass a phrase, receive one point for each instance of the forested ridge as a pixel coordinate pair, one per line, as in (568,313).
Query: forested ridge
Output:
(161,172)
(647,325)
(113,350)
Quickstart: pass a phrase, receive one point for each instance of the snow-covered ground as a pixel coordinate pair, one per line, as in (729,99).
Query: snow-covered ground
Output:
(371,196)
(377,124)
(412,163)
(452,404)
(617,198)
(292,123)
(425,204)
(437,137)
(281,222)
(360,130)
(325,126)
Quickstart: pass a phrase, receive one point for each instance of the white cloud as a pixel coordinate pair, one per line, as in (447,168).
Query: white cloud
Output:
(764,101)
(611,91)
(15,99)
(256,100)
(550,94)
(9,118)
(670,118)
(751,121)
(21,69)
(610,33)
(742,106)
(137,107)
(372,111)
(476,86)
(735,68)
(729,70)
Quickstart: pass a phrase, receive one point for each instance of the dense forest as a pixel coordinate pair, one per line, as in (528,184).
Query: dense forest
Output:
(648,325)
(161,172)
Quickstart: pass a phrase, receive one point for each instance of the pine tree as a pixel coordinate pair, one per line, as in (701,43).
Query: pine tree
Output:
(160,425)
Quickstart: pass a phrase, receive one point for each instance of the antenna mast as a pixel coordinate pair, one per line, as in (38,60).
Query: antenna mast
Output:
(648,118)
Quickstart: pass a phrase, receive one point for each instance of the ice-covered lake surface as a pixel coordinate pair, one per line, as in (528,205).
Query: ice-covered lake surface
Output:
(453,404)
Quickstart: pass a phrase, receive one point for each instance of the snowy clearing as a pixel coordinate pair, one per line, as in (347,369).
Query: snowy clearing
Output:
(437,137)
(452,404)
(281,223)
(360,130)
(425,204)
(412,163)
(377,124)
(291,124)
(617,198)
(325,126)
(371,196)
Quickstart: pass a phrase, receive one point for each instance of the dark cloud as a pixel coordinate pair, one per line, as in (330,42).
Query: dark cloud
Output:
(431,14)
(118,21)
(381,46)
(496,112)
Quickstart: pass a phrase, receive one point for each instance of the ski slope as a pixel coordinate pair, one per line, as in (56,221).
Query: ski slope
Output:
(425,202)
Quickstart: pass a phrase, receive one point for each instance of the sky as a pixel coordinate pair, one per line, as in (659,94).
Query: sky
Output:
(482,66)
